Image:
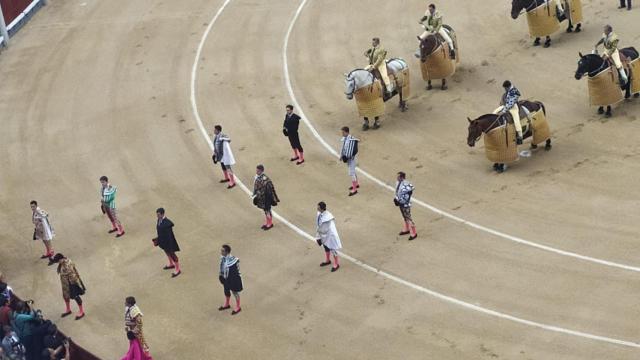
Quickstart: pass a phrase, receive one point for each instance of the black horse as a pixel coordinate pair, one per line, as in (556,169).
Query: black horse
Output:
(518,5)
(593,64)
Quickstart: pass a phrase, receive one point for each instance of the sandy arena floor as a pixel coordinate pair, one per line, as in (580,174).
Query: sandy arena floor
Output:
(91,88)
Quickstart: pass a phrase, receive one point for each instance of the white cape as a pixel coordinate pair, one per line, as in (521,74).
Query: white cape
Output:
(327,232)
(227,156)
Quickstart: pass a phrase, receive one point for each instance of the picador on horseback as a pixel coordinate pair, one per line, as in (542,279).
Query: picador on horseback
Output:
(610,41)
(377,56)
(432,23)
(509,103)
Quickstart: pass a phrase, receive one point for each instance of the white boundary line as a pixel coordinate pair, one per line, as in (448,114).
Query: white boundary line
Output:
(416,200)
(196,114)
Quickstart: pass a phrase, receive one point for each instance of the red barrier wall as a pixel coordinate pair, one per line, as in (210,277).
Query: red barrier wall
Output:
(12,8)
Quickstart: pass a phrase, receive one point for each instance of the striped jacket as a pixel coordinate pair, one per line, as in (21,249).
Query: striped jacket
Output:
(108,194)
(349,147)
(404,190)
(510,98)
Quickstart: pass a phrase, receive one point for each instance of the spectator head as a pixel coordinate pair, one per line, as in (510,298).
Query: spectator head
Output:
(57,257)
(2,280)
(506,84)
(259,169)
(217,129)
(34,205)
(608,29)
(4,301)
(322,206)
(345,130)
(104,180)
(7,330)
(130,301)
(20,306)
(225,250)
(289,108)
(375,41)
(401,175)
(432,8)
(52,329)
(160,213)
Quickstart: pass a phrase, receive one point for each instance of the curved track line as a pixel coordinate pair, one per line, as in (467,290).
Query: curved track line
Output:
(419,288)
(416,200)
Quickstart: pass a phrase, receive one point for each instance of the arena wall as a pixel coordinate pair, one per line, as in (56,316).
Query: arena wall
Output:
(14,14)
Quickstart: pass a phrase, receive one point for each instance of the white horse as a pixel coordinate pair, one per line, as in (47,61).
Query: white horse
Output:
(360,78)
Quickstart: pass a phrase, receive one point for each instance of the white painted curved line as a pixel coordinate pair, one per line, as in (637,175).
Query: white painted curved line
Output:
(380,272)
(434,209)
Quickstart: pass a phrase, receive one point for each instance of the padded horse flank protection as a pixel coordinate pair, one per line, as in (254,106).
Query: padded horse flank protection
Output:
(627,55)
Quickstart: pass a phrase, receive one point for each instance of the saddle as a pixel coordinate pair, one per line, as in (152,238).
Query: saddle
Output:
(506,118)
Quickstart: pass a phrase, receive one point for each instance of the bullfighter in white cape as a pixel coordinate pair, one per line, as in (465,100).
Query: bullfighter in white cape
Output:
(222,153)
(43,229)
(327,236)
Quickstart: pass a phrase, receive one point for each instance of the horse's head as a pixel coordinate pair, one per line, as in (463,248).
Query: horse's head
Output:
(355,80)
(350,85)
(475,132)
(427,46)
(588,64)
(517,6)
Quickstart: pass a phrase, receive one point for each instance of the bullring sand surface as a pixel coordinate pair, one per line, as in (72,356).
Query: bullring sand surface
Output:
(91,88)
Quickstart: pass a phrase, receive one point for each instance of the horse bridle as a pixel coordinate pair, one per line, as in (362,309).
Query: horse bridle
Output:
(488,127)
(353,80)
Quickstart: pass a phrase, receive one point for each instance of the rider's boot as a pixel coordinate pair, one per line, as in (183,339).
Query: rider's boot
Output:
(519,138)
(623,76)
(452,54)
(389,88)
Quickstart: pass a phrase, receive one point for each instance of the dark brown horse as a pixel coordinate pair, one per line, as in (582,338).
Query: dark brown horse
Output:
(429,45)
(488,122)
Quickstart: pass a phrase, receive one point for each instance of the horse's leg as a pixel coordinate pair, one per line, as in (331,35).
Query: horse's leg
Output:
(570,27)
(403,103)
(533,146)
(547,42)
(627,90)
(495,166)
(536,42)
(608,113)
(444,84)
(636,95)
(547,145)
(578,28)
(376,123)
(365,125)
(601,110)
(429,87)
(500,169)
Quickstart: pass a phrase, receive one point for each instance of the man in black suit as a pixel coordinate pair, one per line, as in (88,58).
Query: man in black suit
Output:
(290,130)
(167,241)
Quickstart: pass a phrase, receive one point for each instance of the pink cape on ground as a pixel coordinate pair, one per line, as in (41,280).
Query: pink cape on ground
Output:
(135,352)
